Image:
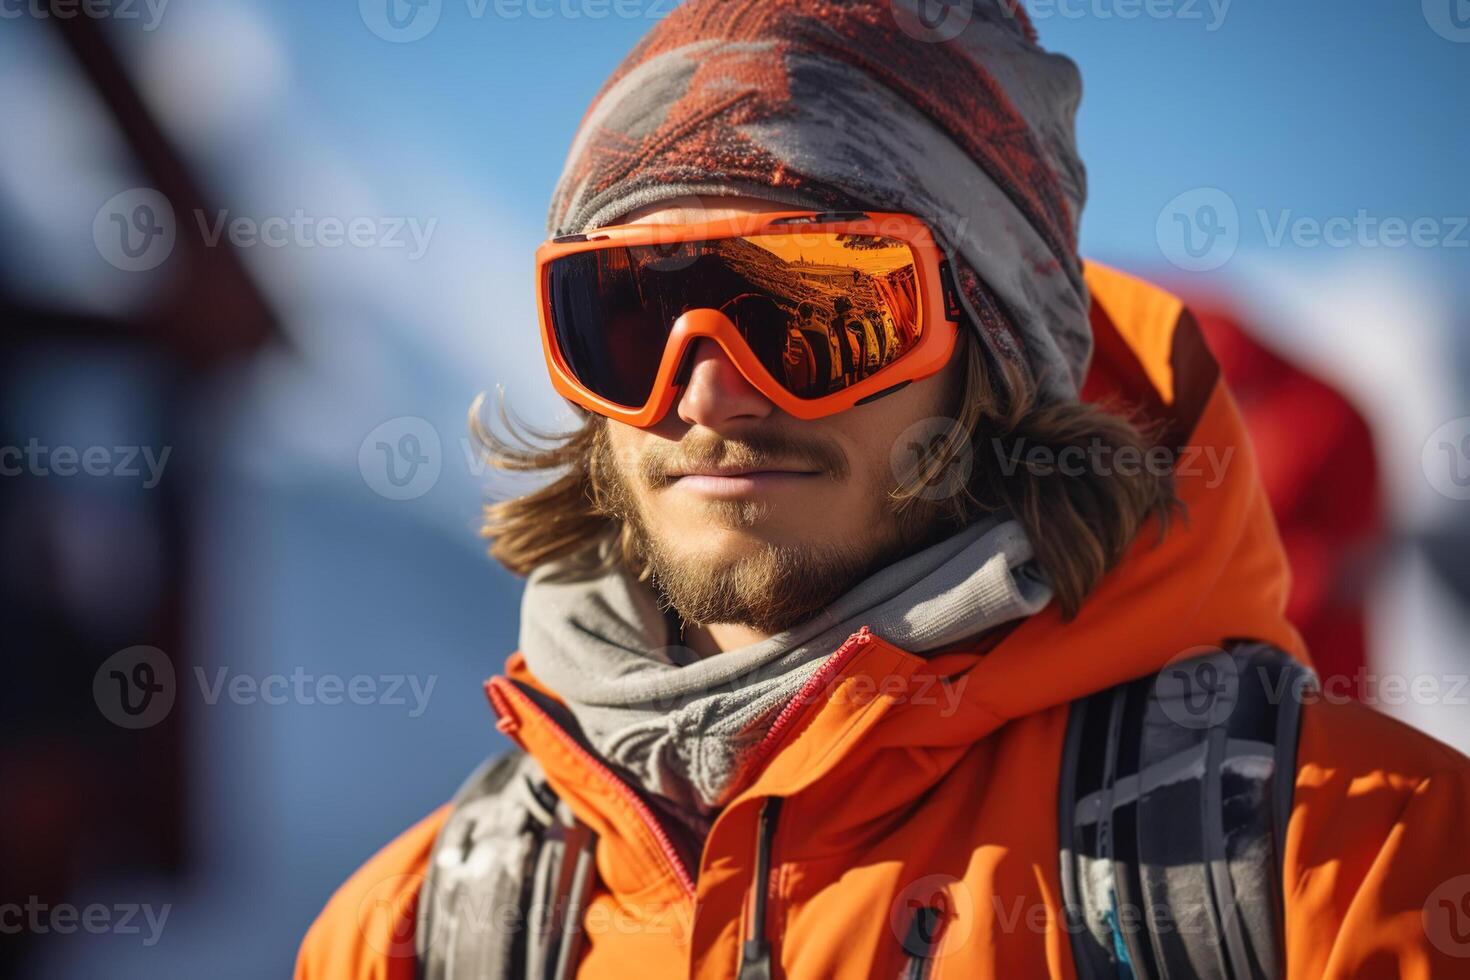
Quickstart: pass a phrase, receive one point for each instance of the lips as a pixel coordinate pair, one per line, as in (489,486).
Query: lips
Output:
(737,483)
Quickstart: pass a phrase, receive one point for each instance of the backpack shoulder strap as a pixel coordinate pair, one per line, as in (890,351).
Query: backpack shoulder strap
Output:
(500,891)
(1173,799)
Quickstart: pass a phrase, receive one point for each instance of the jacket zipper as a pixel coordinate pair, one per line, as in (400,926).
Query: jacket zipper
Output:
(921,941)
(755,955)
(498,688)
(794,707)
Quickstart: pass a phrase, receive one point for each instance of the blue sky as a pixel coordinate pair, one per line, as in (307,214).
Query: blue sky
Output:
(1322,107)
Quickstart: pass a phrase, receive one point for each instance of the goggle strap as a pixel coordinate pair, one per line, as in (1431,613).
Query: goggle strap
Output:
(951,294)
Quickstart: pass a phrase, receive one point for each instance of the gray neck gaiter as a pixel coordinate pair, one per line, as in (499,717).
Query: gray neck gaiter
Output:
(681,727)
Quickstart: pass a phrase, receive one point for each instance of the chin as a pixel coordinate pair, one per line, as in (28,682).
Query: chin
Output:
(717,542)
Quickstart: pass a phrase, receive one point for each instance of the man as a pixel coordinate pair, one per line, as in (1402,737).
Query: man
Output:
(871,685)
(872,352)
(818,343)
(798,362)
(847,342)
(880,335)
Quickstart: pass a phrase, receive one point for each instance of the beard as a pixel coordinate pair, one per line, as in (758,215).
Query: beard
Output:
(775,586)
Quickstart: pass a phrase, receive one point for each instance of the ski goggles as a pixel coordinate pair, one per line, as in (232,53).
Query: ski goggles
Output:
(820,311)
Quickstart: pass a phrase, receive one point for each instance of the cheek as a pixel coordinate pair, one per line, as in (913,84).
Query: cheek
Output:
(885,440)
(881,439)
(859,503)
(625,445)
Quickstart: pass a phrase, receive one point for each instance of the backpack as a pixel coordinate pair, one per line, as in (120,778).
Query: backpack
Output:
(1145,893)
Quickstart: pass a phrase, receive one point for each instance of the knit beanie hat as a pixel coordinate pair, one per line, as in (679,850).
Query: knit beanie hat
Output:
(957,117)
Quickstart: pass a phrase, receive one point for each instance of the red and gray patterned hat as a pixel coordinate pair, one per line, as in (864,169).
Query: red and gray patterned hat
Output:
(949,111)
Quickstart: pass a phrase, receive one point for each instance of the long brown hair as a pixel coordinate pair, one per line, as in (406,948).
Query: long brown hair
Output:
(1079,522)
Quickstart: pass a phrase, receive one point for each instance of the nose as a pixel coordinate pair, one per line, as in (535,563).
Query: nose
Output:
(717,393)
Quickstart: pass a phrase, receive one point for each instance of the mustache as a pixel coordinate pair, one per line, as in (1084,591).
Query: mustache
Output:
(771,449)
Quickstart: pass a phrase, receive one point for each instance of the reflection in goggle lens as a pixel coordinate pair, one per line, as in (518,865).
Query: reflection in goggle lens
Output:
(821,312)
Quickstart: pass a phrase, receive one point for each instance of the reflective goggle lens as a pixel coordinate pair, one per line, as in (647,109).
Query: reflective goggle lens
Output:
(821,312)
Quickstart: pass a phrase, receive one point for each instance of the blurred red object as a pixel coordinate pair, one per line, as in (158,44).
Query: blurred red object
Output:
(1318,463)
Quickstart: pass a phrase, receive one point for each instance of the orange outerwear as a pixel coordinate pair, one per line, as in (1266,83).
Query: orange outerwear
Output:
(904,776)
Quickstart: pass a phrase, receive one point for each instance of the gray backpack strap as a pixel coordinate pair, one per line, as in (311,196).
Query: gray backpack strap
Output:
(499,900)
(560,887)
(1172,806)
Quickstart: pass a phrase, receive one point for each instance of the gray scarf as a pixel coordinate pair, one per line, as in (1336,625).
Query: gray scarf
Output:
(681,726)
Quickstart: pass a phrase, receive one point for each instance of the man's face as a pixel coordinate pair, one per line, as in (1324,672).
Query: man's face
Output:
(748,515)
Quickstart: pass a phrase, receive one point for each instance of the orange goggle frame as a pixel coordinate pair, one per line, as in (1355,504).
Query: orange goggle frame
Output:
(936,307)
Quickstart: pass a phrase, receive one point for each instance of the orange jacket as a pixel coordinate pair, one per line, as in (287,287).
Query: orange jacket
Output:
(893,790)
